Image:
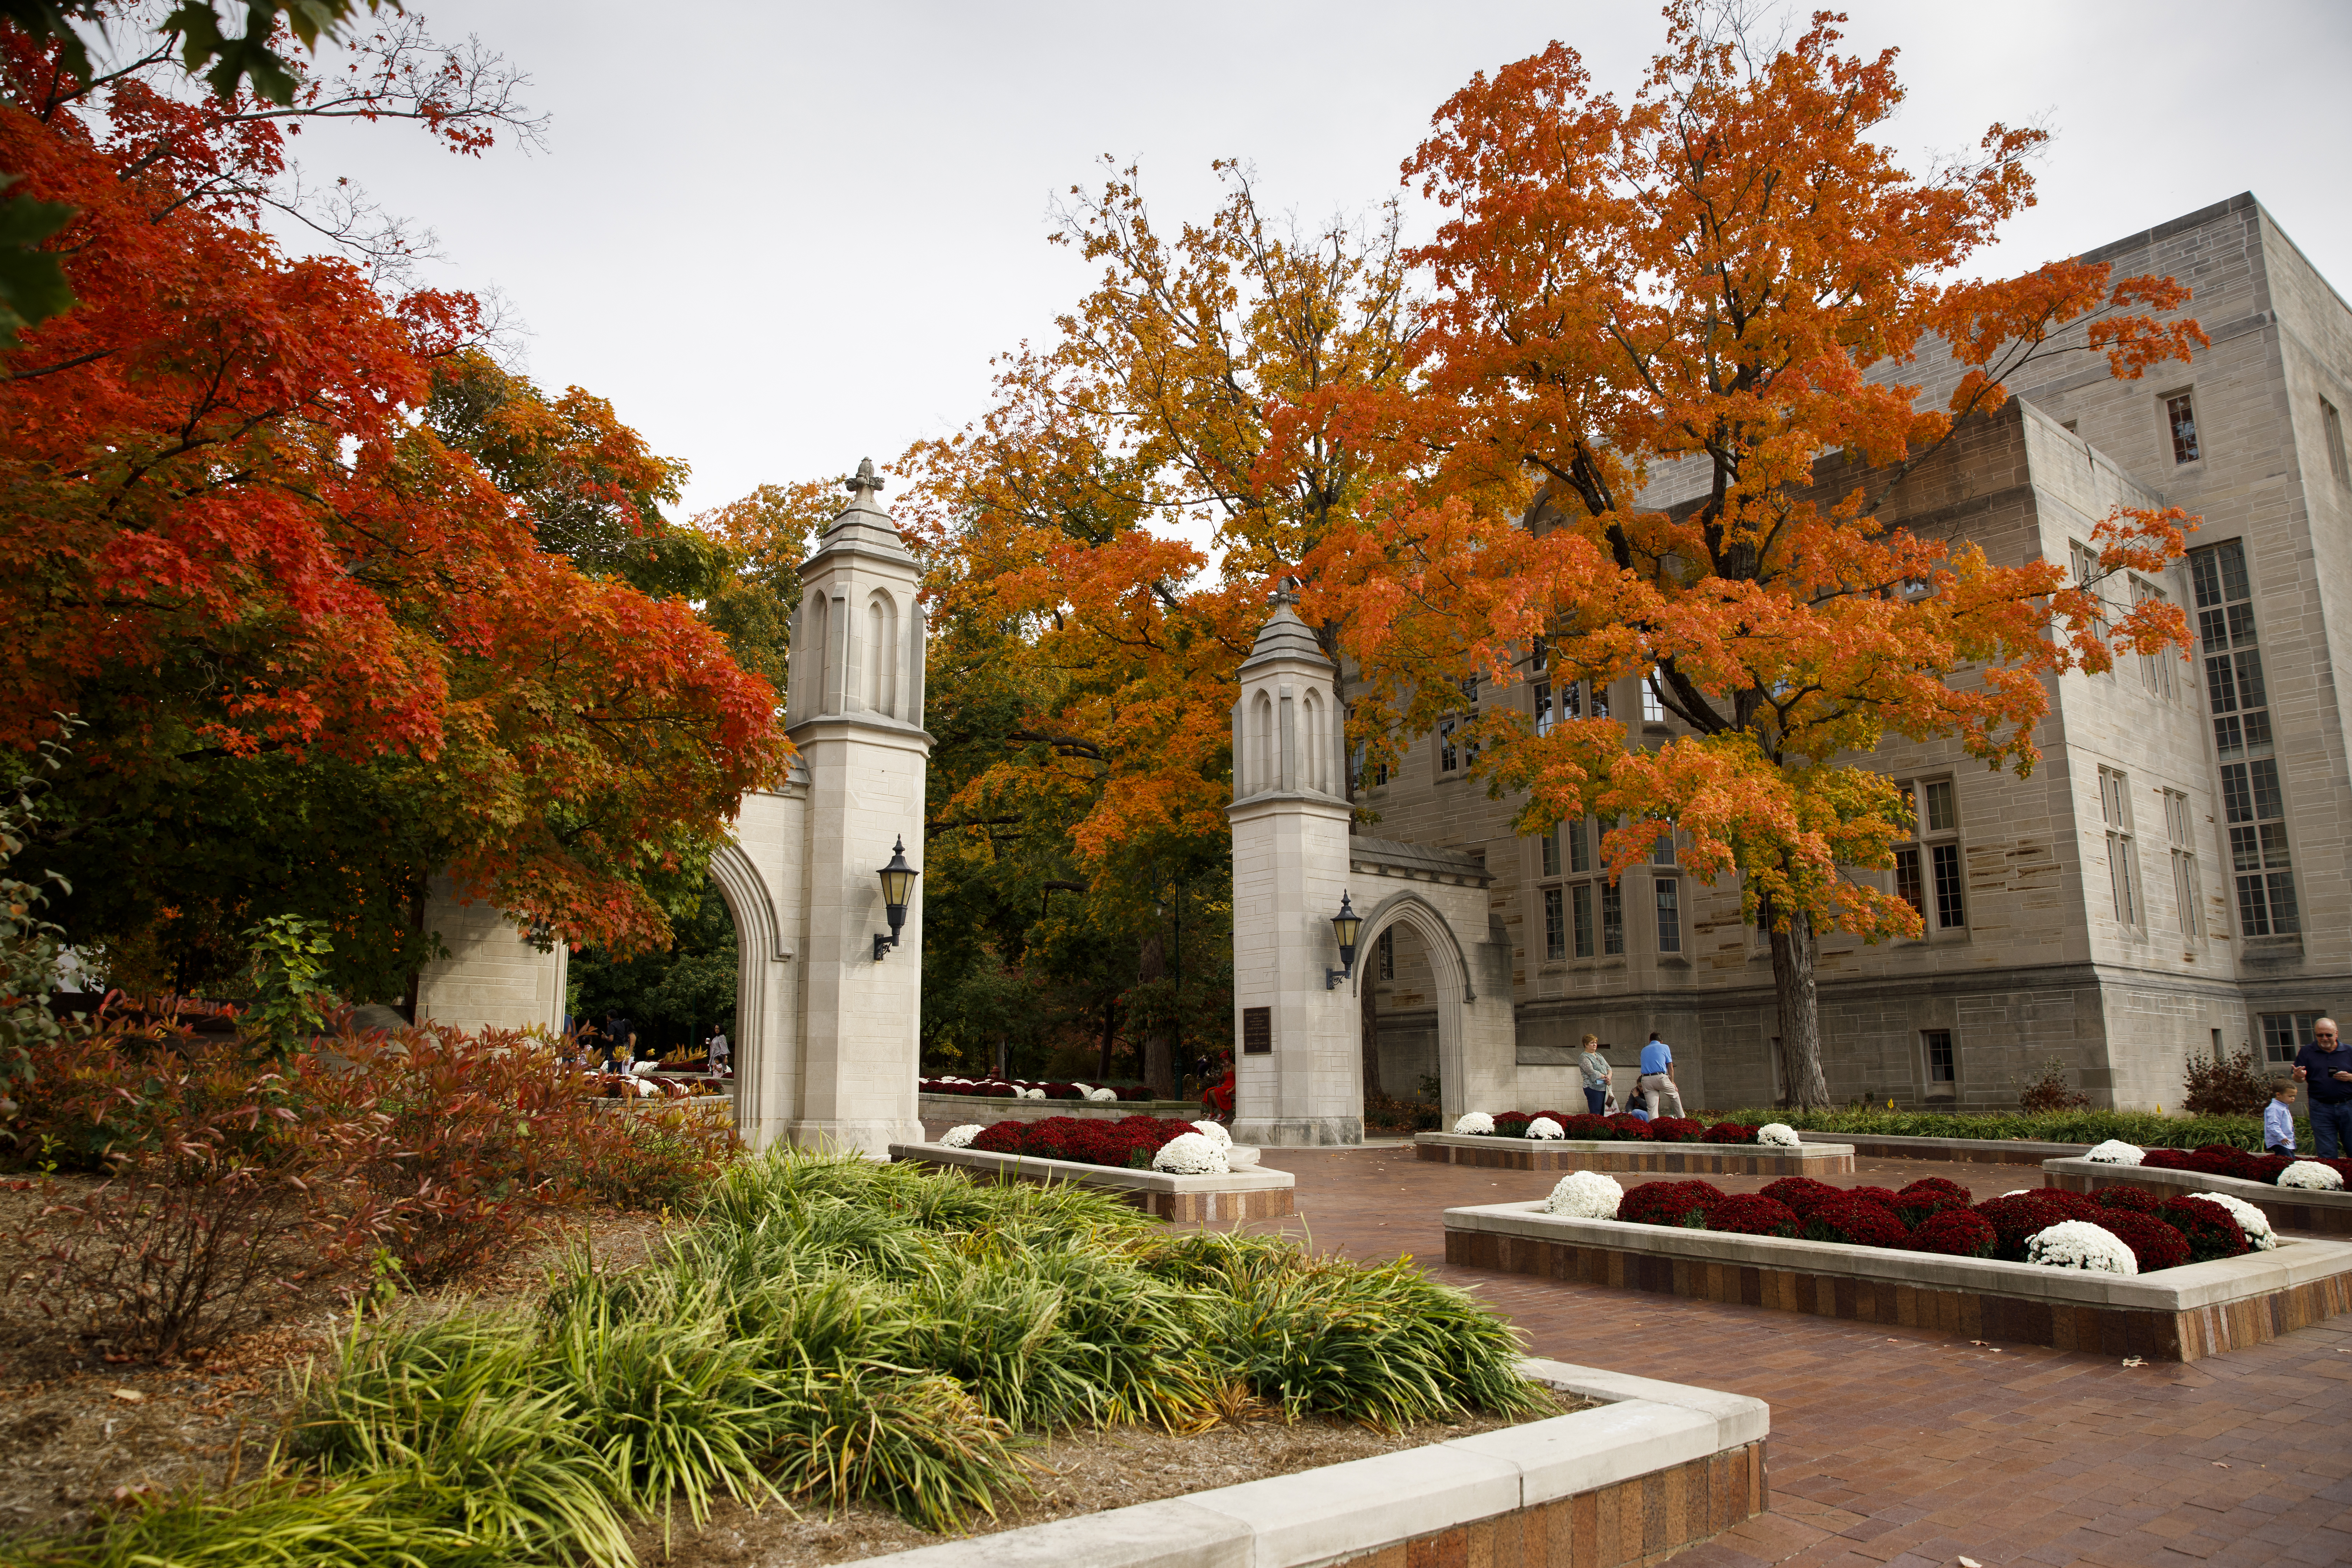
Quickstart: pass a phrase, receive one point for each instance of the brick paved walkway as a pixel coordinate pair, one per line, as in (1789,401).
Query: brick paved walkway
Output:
(1903,1450)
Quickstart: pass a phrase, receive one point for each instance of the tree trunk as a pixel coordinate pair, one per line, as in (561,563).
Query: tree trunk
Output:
(1793,952)
(1109,1035)
(1371,1026)
(1159,1040)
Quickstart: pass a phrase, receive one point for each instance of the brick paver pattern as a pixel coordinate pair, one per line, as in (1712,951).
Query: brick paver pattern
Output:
(1900,1449)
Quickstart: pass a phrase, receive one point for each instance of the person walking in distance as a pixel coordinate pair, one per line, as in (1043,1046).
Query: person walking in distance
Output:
(2278,1119)
(1596,1070)
(2326,1067)
(1657,1080)
(719,1052)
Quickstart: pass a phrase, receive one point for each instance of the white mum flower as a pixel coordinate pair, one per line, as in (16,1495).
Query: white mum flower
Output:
(2115,1152)
(1475,1121)
(961,1137)
(2312,1176)
(1778,1135)
(1190,1154)
(1545,1127)
(1102,1094)
(1030,1093)
(2078,1244)
(2251,1220)
(1214,1131)
(1585,1195)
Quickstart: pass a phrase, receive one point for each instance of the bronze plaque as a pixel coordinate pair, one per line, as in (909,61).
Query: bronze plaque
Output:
(1257,1031)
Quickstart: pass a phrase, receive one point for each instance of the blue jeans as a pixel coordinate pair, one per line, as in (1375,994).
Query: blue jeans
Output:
(1596,1100)
(2331,1126)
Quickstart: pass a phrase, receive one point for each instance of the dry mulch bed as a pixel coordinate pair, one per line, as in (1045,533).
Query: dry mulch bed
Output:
(1076,1472)
(77,1425)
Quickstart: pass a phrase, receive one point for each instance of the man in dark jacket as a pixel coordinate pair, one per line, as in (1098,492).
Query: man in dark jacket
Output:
(2326,1066)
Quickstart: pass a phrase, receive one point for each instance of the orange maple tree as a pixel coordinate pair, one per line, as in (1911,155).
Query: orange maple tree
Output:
(1714,288)
(293,625)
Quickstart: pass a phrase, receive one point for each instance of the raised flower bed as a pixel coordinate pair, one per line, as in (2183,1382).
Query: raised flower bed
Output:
(1655,1468)
(956,1100)
(1178,1170)
(1924,1264)
(2250,1178)
(1252,1194)
(1560,1141)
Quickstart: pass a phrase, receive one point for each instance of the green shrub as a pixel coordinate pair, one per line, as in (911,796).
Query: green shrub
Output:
(2141,1127)
(274,1523)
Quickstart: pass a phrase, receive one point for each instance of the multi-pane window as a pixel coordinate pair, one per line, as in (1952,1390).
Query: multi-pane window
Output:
(1543,707)
(1942,1067)
(2284,1034)
(2252,805)
(1449,755)
(1555,924)
(1670,914)
(1388,954)
(1577,836)
(2188,889)
(1551,854)
(1612,919)
(1570,847)
(2180,416)
(1654,707)
(2331,429)
(2155,668)
(1580,898)
(1927,870)
(1662,853)
(2123,853)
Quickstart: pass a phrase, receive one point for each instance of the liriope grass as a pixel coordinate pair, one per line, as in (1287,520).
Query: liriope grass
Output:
(828,1330)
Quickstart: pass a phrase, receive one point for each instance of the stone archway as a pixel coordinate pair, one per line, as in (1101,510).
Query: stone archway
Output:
(1453,986)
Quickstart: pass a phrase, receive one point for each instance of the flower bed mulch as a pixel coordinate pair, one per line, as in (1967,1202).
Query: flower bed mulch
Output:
(1128,1143)
(1934,1215)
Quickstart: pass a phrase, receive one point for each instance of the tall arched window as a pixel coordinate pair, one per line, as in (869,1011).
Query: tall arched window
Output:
(881,653)
(1310,772)
(820,649)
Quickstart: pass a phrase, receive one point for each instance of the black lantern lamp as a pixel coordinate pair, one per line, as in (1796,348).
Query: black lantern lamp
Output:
(1344,925)
(897,885)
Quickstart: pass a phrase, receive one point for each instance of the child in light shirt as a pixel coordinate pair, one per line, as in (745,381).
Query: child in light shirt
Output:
(2278,1120)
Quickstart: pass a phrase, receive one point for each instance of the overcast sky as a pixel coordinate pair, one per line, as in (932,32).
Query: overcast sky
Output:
(780,237)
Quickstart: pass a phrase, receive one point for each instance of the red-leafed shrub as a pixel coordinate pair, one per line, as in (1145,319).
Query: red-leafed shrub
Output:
(1586,1125)
(2075,1205)
(2136,1200)
(1859,1222)
(2155,1244)
(1884,1197)
(2210,1230)
(1753,1214)
(1937,1184)
(1124,1142)
(1512,1124)
(1728,1132)
(1957,1233)
(2017,1220)
(1799,1193)
(1625,1126)
(1676,1130)
(1670,1202)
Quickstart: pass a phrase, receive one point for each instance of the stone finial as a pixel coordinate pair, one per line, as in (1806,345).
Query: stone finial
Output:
(1286,592)
(862,484)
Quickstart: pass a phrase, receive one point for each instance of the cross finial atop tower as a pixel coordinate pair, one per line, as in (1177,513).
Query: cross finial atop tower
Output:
(1286,592)
(863,483)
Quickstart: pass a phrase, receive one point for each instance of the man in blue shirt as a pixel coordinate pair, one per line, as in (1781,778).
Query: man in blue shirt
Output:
(1657,1082)
(2326,1067)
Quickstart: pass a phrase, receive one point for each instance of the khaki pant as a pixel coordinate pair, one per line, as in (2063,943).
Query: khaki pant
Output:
(1656,1089)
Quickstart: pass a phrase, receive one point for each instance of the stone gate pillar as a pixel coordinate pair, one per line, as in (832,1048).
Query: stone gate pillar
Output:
(1297,1058)
(854,710)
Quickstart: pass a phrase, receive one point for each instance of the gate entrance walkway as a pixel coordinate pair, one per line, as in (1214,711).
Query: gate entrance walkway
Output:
(1899,1449)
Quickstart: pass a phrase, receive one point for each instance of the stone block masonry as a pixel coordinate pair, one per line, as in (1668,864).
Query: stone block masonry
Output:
(1628,1154)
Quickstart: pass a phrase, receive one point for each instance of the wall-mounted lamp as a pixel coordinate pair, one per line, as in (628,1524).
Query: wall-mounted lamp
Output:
(1344,925)
(898,884)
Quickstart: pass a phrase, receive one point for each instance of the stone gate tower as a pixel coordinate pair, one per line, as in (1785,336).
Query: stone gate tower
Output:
(855,710)
(1298,1066)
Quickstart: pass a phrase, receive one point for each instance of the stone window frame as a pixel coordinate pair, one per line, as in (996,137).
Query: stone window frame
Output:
(2284,1034)
(2187,882)
(1568,867)
(2155,668)
(2128,895)
(2331,432)
(2170,404)
(1930,849)
(2254,833)
(1927,1063)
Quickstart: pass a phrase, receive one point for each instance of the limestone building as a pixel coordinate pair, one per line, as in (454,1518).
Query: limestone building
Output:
(2172,880)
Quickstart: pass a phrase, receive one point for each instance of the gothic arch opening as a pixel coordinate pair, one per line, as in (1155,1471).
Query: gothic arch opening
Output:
(1412,984)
